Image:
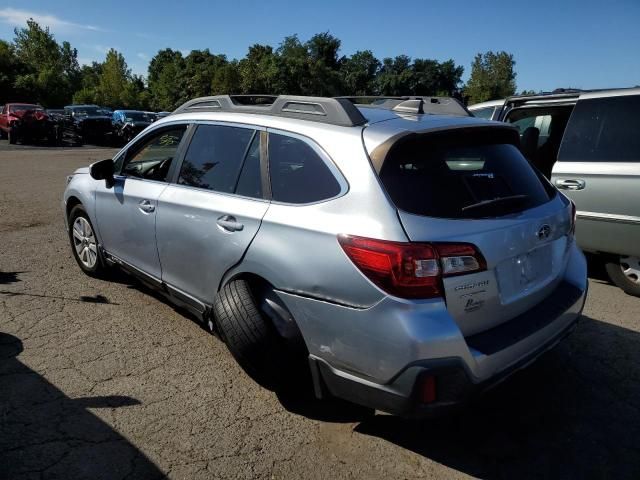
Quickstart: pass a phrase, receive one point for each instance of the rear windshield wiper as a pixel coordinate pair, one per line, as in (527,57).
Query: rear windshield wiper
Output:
(485,203)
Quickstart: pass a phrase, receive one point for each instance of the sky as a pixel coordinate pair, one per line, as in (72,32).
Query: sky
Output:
(560,43)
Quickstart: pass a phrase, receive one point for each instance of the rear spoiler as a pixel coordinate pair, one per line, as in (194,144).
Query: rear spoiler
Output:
(414,104)
(500,133)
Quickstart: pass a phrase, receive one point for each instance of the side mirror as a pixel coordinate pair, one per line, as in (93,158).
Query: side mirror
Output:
(103,170)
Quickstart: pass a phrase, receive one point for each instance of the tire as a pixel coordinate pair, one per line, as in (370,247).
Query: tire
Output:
(624,272)
(3,134)
(253,340)
(11,135)
(82,237)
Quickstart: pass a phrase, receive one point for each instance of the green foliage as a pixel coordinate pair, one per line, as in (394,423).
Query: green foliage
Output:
(10,68)
(166,79)
(492,77)
(359,73)
(111,84)
(49,72)
(35,67)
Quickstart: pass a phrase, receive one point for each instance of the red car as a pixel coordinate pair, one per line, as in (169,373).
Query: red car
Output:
(26,122)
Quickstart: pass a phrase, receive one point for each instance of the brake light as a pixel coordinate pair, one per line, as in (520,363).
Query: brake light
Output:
(411,270)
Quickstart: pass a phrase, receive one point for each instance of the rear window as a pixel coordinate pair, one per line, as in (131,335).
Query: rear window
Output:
(462,175)
(603,130)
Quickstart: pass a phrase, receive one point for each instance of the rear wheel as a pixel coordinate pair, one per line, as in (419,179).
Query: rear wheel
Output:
(624,272)
(273,357)
(84,243)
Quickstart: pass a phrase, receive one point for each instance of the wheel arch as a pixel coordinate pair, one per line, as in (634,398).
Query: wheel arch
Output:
(268,300)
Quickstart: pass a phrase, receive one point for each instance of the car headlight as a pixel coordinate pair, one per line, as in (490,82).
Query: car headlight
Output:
(69,178)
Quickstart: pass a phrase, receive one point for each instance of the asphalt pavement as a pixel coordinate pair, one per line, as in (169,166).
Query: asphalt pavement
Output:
(106,380)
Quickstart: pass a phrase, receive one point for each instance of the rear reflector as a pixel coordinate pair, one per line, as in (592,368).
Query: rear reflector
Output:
(411,270)
(427,389)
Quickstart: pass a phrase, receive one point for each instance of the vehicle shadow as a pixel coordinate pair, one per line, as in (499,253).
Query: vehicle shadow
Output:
(46,434)
(572,414)
(9,277)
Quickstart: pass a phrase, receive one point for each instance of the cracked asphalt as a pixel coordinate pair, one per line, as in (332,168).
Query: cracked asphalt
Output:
(106,380)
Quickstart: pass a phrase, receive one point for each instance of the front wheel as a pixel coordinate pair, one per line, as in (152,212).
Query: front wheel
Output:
(84,243)
(624,272)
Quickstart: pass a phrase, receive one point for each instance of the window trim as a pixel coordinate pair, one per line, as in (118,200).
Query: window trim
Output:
(324,156)
(266,195)
(179,152)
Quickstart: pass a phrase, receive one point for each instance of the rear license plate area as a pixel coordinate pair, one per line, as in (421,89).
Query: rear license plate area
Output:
(524,272)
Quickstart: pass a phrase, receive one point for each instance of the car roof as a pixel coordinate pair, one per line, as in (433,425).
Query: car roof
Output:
(14,104)
(560,95)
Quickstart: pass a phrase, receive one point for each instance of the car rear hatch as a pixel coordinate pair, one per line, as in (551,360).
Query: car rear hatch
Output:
(469,184)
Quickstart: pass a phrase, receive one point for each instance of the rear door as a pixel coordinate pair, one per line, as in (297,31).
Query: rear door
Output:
(208,217)
(475,187)
(599,169)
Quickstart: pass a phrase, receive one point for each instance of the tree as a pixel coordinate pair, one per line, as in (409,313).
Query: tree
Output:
(293,67)
(10,67)
(359,73)
(166,79)
(492,77)
(114,81)
(50,72)
(324,65)
(226,79)
(258,71)
(395,76)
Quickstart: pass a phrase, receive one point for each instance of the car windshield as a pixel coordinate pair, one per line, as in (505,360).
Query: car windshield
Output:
(138,117)
(90,112)
(22,108)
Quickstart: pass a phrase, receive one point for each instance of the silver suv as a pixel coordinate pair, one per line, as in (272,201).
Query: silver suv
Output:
(404,259)
(588,144)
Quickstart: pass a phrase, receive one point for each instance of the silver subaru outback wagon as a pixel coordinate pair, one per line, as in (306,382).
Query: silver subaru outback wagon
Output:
(402,255)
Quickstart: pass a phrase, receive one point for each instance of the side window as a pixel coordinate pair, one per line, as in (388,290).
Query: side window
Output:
(4,109)
(603,130)
(214,158)
(250,181)
(298,174)
(151,158)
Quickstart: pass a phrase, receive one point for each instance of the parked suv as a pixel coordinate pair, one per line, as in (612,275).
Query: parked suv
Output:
(588,144)
(406,259)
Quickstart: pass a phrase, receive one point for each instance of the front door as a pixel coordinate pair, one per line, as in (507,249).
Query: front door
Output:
(126,212)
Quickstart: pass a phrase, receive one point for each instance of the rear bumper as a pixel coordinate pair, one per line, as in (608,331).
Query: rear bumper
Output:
(377,356)
(455,384)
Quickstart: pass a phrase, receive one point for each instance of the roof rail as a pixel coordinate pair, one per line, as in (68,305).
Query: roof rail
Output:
(414,104)
(334,111)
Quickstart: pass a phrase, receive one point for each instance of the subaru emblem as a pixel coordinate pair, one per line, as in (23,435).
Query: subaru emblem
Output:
(543,232)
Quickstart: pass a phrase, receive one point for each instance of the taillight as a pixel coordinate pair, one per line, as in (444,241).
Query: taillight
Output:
(411,270)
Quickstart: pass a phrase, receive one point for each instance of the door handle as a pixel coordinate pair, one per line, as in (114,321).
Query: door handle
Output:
(146,206)
(229,223)
(570,184)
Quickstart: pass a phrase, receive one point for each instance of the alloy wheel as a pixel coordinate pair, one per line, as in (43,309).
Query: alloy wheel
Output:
(84,241)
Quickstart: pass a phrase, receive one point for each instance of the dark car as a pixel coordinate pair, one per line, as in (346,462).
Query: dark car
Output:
(129,123)
(26,122)
(86,124)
